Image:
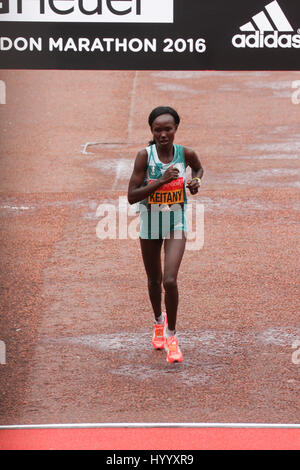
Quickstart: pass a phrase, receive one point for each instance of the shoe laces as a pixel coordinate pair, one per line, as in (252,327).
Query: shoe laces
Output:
(172,344)
(159,330)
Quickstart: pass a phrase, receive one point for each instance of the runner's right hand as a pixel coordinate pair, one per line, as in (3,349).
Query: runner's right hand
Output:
(169,175)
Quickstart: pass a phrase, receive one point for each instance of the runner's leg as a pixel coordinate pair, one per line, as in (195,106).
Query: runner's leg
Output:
(174,250)
(151,253)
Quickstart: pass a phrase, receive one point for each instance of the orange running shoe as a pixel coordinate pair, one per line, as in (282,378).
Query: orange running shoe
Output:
(159,334)
(173,352)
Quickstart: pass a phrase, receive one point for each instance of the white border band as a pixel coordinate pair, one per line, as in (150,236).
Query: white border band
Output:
(152,425)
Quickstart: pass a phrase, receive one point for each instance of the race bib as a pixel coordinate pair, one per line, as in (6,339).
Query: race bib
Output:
(169,193)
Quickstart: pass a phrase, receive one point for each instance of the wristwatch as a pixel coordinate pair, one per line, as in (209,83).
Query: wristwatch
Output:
(197,179)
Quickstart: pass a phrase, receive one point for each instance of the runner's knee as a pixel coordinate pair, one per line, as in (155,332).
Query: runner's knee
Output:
(154,283)
(170,282)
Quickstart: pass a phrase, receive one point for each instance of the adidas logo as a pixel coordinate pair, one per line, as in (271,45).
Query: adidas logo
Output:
(268,28)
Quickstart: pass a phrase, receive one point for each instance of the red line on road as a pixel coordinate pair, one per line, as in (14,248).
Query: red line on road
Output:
(150,439)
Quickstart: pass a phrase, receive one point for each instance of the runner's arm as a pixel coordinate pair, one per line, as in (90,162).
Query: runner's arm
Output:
(192,160)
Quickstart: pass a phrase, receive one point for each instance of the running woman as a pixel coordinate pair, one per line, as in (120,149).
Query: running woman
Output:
(158,183)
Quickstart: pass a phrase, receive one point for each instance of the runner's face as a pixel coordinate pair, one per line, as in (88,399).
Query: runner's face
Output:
(164,129)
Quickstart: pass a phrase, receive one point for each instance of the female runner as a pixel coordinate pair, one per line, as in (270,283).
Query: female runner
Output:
(158,183)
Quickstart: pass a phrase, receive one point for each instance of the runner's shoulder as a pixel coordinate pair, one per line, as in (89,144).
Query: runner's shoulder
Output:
(189,154)
(141,159)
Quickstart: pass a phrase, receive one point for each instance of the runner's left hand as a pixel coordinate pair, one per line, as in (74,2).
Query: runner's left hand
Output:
(193,186)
